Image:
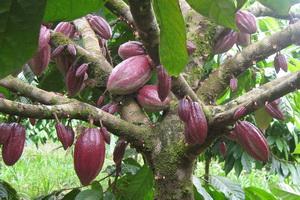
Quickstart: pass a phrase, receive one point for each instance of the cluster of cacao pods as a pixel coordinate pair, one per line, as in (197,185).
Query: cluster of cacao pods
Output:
(12,139)
(247,25)
(195,124)
(280,63)
(65,134)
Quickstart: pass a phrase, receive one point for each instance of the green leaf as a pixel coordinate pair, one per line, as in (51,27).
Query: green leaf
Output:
(297,149)
(200,189)
(89,195)
(19,31)
(215,194)
(285,191)
(221,12)
(172,38)
(254,193)
(7,191)
(262,119)
(246,161)
(97,186)
(109,196)
(232,190)
(71,195)
(279,6)
(140,185)
(67,10)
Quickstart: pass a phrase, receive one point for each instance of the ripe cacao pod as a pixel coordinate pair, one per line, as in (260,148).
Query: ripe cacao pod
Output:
(74,84)
(223,148)
(246,22)
(44,38)
(131,48)
(70,135)
(243,39)
(40,60)
(32,121)
(197,124)
(129,75)
(62,134)
(89,155)
(4,132)
(81,70)
(148,98)
(113,108)
(224,42)
(100,101)
(184,109)
(280,62)
(274,111)
(240,112)
(163,83)
(253,141)
(190,47)
(188,138)
(233,84)
(65,28)
(57,51)
(13,148)
(119,151)
(105,134)
(101,27)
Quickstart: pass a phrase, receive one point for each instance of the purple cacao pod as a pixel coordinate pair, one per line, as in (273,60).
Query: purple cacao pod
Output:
(240,112)
(70,135)
(47,24)
(197,124)
(246,22)
(57,51)
(233,84)
(188,138)
(253,141)
(40,60)
(223,148)
(148,98)
(131,48)
(233,136)
(106,107)
(163,83)
(119,151)
(72,50)
(100,101)
(105,134)
(276,102)
(129,75)
(280,63)
(243,39)
(4,132)
(32,121)
(113,108)
(13,148)
(63,63)
(224,42)
(184,109)
(101,27)
(274,111)
(190,47)
(74,84)
(62,134)
(81,69)
(89,155)
(44,38)
(65,28)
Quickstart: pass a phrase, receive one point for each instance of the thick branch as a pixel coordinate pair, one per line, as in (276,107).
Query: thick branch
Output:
(219,80)
(120,9)
(81,111)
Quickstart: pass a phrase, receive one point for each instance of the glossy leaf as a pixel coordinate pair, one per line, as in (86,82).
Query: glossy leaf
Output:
(172,46)
(221,12)
(254,193)
(297,149)
(89,194)
(19,31)
(71,195)
(67,10)
(279,6)
(285,191)
(200,189)
(263,119)
(7,191)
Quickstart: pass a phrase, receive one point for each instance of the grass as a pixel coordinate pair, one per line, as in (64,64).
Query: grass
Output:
(49,168)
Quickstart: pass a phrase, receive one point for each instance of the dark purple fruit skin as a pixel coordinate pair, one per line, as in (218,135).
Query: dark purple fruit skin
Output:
(163,83)
(274,111)
(13,148)
(243,39)
(100,101)
(184,109)
(105,134)
(74,84)
(101,27)
(4,132)
(62,134)
(119,151)
(223,148)
(246,22)
(233,84)
(224,42)
(280,63)
(70,135)
(240,112)
(89,153)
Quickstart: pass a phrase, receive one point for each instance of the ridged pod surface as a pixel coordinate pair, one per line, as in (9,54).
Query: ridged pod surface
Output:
(40,60)
(224,42)
(74,84)
(13,148)
(131,48)
(240,112)
(280,63)
(274,111)
(148,98)
(4,132)
(163,83)
(65,28)
(253,141)
(72,50)
(188,138)
(81,69)
(197,124)
(119,151)
(246,22)
(44,37)
(100,101)
(89,155)
(100,26)
(70,135)
(129,75)
(184,109)
(105,134)
(62,135)
(243,39)
(233,83)
(223,148)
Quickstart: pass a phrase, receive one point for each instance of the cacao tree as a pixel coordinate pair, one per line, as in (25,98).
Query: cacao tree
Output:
(178,81)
